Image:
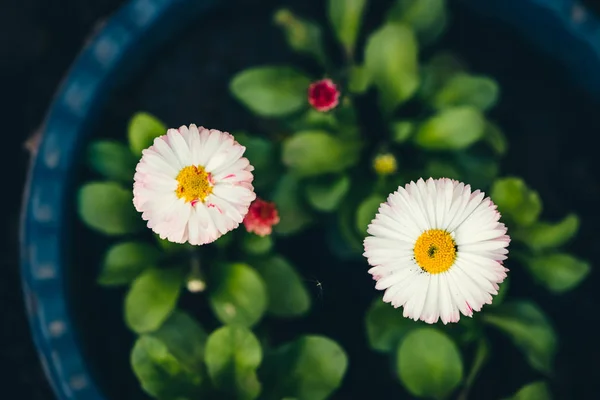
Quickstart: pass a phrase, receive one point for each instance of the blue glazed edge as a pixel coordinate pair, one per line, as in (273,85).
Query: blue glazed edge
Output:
(121,45)
(127,37)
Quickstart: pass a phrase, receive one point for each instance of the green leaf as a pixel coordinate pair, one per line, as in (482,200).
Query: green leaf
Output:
(238,295)
(516,201)
(311,367)
(143,129)
(124,261)
(232,356)
(451,129)
(160,373)
(152,297)
(366,212)
(467,90)
(529,329)
(112,159)
(313,119)
(359,79)
(293,215)
(262,155)
(311,153)
(439,70)
(345,17)
(533,391)
(428,18)
(304,37)
(327,193)
(559,272)
(391,59)
(287,294)
(386,327)
(429,363)
(271,91)
(478,170)
(402,131)
(108,208)
(255,244)
(543,235)
(495,138)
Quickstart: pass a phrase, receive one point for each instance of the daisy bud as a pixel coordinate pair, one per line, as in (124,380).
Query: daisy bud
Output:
(261,217)
(385,164)
(323,95)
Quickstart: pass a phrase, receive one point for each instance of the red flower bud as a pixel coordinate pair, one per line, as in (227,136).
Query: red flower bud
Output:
(261,217)
(323,95)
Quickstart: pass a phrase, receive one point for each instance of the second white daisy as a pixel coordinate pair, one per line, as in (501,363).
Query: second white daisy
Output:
(437,250)
(193,185)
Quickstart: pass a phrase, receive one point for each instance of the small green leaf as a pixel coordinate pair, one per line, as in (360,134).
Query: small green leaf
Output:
(311,153)
(304,37)
(516,201)
(402,131)
(559,272)
(112,159)
(544,235)
(287,294)
(346,17)
(529,329)
(271,91)
(313,119)
(151,298)
(533,391)
(293,215)
(311,367)
(467,90)
(386,326)
(359,79)
(143,129)
(429,363)
(451,129)
(327,193)
(256,245)
(391,59)
(439,70)
(107,207)
(238,295)
(124,261)
(160,373)
(262,156)
(428,18)
(495,138)
(232,356)
(366,212)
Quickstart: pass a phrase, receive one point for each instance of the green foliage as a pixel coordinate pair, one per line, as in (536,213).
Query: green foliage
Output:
(310,368)
(287,293)
(152,297)
(451,129)
(256,245)
(495,138)
(232,356)
(559,272)
(311,153)
(124,261)
(391,59)
(533,391)
(386,326)
(428,18)
(302,36)
(238,295)
(271,91)
(429,363)
(326,193)
(292,212)
(143,129)
(345,17)
(112,160)
(107,207)
(402,131)
(262,155)
(365,213)
(439,70)
(543,235)
(359,79)
(529,329)
(516,201)
(467,90)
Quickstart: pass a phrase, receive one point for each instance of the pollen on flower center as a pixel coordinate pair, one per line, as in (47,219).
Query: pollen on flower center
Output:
(194,184)
(435,251)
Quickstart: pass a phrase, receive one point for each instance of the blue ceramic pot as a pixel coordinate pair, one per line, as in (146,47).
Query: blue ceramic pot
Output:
(560,27)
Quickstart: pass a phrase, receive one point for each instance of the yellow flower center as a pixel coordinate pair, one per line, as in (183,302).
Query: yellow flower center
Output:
(435,251)
(193,184)
(385,164)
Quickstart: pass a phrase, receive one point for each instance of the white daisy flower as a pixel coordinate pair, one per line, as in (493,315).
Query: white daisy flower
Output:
(193,185)
(437,250)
